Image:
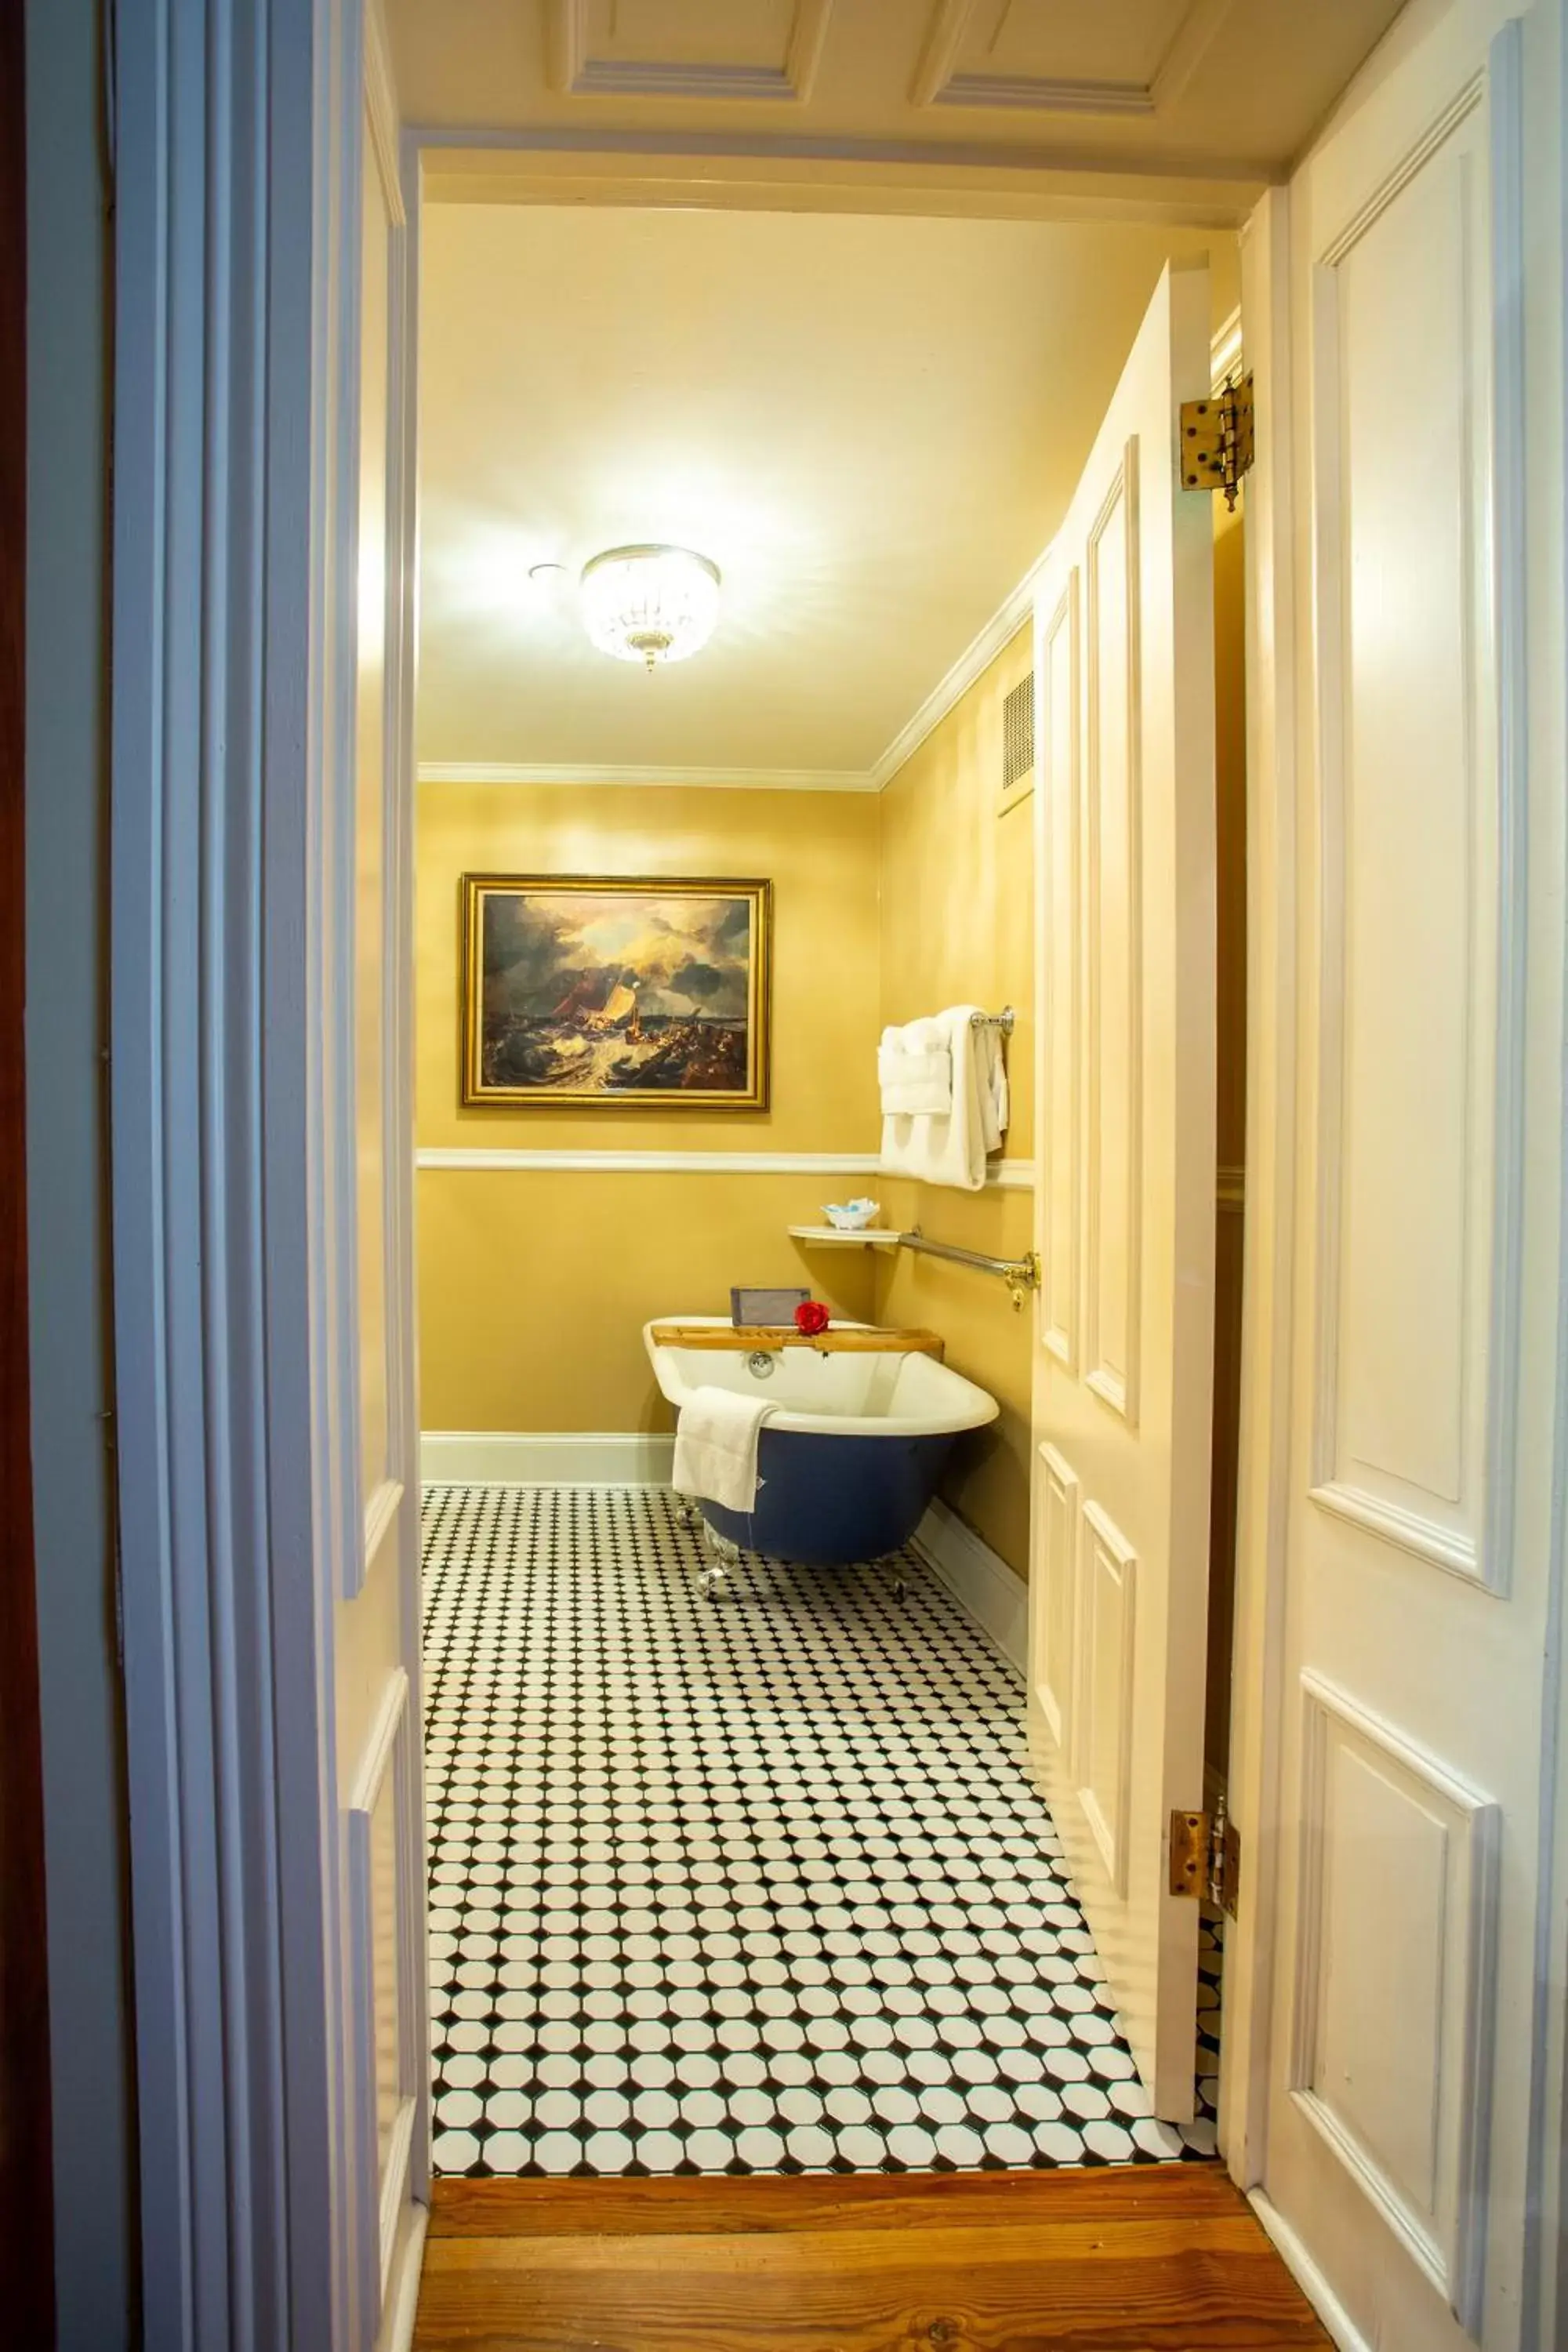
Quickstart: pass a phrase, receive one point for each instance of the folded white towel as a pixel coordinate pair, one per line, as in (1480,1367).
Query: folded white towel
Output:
(896,1066)
(914,1068)
(917,1085)
(950,1148)
(716,1447)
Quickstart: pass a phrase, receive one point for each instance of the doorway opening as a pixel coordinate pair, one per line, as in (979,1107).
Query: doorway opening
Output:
(754,1876)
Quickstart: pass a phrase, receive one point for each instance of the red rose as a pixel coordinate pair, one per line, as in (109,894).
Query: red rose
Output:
(810,1317)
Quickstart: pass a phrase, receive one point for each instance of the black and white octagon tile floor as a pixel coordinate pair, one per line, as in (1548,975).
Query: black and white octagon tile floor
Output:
(758,1884)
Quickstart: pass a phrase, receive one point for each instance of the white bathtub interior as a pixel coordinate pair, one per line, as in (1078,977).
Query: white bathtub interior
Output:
(843,1394)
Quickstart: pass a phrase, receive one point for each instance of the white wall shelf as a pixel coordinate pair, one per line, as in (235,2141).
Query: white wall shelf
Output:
(868,1236)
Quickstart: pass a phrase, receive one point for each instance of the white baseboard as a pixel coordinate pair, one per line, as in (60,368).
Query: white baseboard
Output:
(996,1599)
(1307,2277)
(509,1458)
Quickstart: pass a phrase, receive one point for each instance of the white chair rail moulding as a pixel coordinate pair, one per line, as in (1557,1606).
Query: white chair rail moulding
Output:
(718,780)
(1007,1175)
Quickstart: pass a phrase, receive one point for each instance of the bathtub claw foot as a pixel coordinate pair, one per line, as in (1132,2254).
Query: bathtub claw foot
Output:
(892,1567)
(721,1556)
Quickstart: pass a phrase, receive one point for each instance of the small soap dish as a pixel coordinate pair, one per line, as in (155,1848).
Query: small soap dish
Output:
(851,1216)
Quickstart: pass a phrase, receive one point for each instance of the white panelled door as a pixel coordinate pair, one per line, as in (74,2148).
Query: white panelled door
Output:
(1427,327)
(1124,1368)
(377,1638)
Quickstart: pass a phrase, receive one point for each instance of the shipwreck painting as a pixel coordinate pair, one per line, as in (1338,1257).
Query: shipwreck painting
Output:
(581,990)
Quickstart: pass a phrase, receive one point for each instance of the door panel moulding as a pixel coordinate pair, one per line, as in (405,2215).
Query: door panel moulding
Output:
(1105,1621)
(1056,1557)
(1445,1851)
(389,1775)
(1113,1051)
(1467,1529)
(1059,780)
(940,80)
(575,72)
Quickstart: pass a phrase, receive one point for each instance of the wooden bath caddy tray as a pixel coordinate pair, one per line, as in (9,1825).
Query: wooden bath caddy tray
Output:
(837,1339)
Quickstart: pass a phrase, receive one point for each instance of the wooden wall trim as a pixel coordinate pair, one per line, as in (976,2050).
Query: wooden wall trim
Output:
(27,2232)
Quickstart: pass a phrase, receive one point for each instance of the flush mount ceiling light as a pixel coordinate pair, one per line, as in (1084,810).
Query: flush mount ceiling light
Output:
(650,604)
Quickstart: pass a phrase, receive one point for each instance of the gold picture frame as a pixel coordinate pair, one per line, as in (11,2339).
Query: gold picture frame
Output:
(598,992)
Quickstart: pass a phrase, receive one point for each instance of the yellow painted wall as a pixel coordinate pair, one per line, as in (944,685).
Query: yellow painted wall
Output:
(534,1286)
(534,1289)
(957,918)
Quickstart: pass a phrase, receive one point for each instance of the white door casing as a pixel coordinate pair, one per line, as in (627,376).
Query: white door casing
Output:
(277,1844)
(1124,1368)
(1387,2114)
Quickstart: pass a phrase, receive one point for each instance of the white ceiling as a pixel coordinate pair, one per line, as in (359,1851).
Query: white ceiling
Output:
(1192,85)
(871,424)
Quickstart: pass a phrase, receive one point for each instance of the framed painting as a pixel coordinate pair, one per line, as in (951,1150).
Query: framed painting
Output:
(591,991)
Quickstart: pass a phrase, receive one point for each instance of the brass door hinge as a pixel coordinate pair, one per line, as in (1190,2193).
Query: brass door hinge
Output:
(1205,1858)
(1218,440)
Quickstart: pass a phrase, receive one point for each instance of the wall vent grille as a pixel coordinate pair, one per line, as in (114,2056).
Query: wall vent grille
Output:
(1018,734)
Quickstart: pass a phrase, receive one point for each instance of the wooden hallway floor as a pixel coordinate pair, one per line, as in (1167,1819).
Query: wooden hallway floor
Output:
(1156,2258)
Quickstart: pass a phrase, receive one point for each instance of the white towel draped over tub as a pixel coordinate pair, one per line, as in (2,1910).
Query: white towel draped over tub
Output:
(716,1440)
(947,1146)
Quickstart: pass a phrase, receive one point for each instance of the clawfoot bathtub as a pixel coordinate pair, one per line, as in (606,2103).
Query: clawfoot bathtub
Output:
(853,1453)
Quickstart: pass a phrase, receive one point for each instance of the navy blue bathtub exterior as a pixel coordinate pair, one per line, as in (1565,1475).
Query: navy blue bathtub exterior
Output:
(826,1501)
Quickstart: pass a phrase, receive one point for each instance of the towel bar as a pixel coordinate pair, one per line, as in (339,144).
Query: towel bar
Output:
(1021,1274)
(1005,1020)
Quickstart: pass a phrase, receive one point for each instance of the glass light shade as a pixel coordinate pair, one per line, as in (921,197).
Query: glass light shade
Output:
(650,604)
